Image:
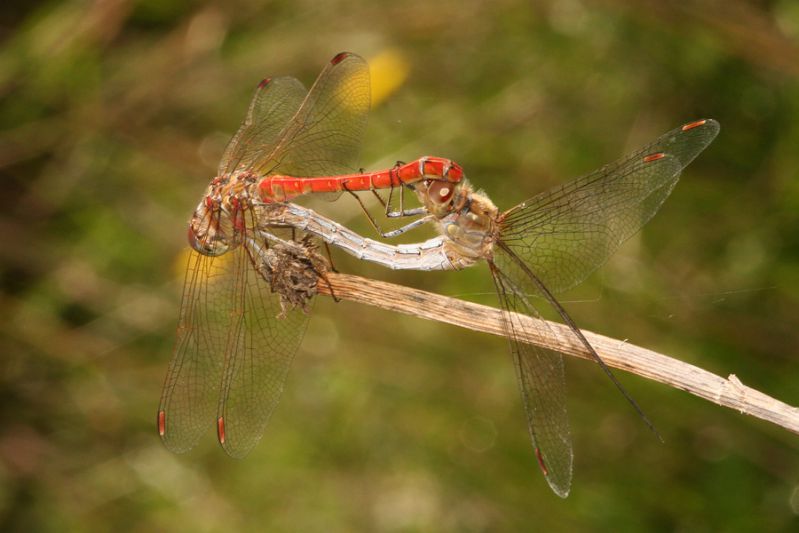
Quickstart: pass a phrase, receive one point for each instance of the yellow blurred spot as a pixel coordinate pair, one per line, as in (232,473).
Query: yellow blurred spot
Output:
(188,260)
(389,71)
(385,73)
(180,262)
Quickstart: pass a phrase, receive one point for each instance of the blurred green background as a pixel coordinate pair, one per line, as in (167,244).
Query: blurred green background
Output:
(113,115)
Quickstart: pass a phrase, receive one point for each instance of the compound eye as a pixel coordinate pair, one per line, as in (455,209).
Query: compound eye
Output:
(441,191)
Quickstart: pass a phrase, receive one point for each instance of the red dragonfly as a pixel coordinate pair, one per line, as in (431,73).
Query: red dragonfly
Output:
(232,354)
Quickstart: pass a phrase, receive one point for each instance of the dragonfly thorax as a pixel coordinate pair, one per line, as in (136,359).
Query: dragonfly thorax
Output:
(467,218)
(218,222)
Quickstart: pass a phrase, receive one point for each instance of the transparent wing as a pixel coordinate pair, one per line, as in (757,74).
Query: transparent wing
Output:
(325,136)
(566,233)
(541,377)
(191,390)
(275,102)
(232,355)
(259,352)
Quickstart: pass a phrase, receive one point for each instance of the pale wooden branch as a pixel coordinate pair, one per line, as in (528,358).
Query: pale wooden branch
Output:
(728,392)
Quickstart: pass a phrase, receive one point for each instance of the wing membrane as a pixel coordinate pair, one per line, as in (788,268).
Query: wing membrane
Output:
(232,356)
(291,133)
(325,136)
(191,390)
(274,103)
(259,353)
(566,233)
(540,374)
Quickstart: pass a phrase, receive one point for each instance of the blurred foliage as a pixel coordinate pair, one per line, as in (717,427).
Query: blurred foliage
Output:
(113,114)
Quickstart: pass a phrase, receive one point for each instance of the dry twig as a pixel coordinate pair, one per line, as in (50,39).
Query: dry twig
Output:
(728,392)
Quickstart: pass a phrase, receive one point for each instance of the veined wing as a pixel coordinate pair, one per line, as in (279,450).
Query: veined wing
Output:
(232,355)
(566,233)
(325,136)
(540,375)
(191,390)
(260,348)
(274,103)
(319,135)
(540,370)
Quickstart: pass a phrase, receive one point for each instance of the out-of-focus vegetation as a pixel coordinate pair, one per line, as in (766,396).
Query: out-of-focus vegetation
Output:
(113,114)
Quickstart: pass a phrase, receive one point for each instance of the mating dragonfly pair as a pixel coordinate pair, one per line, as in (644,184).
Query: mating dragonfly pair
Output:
(237,336)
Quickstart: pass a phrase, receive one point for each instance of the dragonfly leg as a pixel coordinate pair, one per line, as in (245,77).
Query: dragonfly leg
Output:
(363,208)
(416,223)
(395,214)
(407,213)
(402,200)
(397,231)
(380,198)
(330,260)
(323,276)
(387,204)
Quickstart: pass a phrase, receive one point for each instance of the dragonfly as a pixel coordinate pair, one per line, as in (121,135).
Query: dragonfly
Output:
(536,249)
(235,338)
(294,142)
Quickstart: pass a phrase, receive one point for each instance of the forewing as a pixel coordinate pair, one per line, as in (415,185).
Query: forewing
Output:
(260,348)
(541,378)
(275,102)
(325,135)
(191,390)
(566,233)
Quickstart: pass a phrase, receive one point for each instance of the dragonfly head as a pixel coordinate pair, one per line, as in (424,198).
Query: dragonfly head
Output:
(440,197)
(216,226)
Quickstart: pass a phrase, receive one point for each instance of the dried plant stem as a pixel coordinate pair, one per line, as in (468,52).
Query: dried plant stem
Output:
(729,392)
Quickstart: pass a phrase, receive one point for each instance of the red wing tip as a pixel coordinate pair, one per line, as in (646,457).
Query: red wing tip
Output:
(338,58)
(220,429)
(264,82)
(161,423)
(654,157)
(540,458)
(695,124)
